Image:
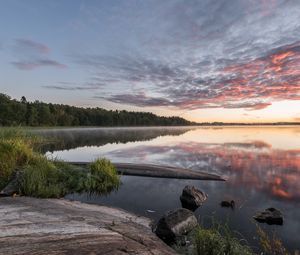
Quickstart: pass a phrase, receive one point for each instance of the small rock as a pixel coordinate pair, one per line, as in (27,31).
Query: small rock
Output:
(175,224)
(12,187)
(192,198)
(228,204)
(270,216)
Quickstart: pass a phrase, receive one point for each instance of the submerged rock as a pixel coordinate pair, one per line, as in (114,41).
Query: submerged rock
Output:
(191,198)
(230,204)
(174,224)
(270,216)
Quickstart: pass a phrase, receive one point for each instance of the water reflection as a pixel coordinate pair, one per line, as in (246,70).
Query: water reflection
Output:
(256,165)
(69,138)
(262,165)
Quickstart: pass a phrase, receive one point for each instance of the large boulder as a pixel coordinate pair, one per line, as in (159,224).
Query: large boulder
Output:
(270,216)
(174,224)
(191,198)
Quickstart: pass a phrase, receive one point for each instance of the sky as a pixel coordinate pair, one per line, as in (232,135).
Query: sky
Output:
(203,60)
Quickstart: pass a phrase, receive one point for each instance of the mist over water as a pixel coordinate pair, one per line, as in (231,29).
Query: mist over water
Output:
(261,165)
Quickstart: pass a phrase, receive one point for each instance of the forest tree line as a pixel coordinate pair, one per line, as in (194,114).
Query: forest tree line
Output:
(15,113)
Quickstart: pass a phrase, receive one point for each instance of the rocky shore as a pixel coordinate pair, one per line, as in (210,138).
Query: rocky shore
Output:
(57,226)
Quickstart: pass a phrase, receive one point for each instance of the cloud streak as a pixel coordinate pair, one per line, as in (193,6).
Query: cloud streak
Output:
(32,45)
(33,55)
(30,65)
(71,87)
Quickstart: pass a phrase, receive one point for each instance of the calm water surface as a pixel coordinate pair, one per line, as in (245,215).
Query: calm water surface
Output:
(262,165)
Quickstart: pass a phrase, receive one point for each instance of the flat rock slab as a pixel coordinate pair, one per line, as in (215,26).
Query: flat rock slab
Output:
(57,226)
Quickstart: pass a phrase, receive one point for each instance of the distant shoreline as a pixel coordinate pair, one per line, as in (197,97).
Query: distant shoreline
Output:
(160,126)
(252,124)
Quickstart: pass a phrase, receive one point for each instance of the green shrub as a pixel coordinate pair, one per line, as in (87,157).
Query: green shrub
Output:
(101,178)
(213,242)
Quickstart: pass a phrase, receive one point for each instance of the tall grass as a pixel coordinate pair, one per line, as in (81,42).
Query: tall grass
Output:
(45,178)
(101,178)
(218,240)
(16,149)
(41,178)
(53,179)
(272,244)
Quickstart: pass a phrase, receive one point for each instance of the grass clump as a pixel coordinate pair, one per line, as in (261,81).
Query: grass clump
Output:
(44,178)
(16,150)
(216,241)
(102,177)
(53,179)
(271,244)
(41,178)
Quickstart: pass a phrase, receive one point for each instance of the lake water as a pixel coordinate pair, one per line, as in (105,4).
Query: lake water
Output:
(261,165)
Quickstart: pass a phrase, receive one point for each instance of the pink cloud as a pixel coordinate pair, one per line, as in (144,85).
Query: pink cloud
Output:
(36,46)
(33,56)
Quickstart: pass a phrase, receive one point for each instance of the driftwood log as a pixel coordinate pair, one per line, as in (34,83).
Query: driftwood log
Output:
(151,170)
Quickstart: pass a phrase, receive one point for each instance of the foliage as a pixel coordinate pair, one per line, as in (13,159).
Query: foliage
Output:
(71,176)
(54,179)
(102,177)
(218,240)
(15,152)
(41,177)
(14,112)
(271,244)
(48,179)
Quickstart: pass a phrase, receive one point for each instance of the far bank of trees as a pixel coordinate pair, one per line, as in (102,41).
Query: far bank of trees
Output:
(14,113)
